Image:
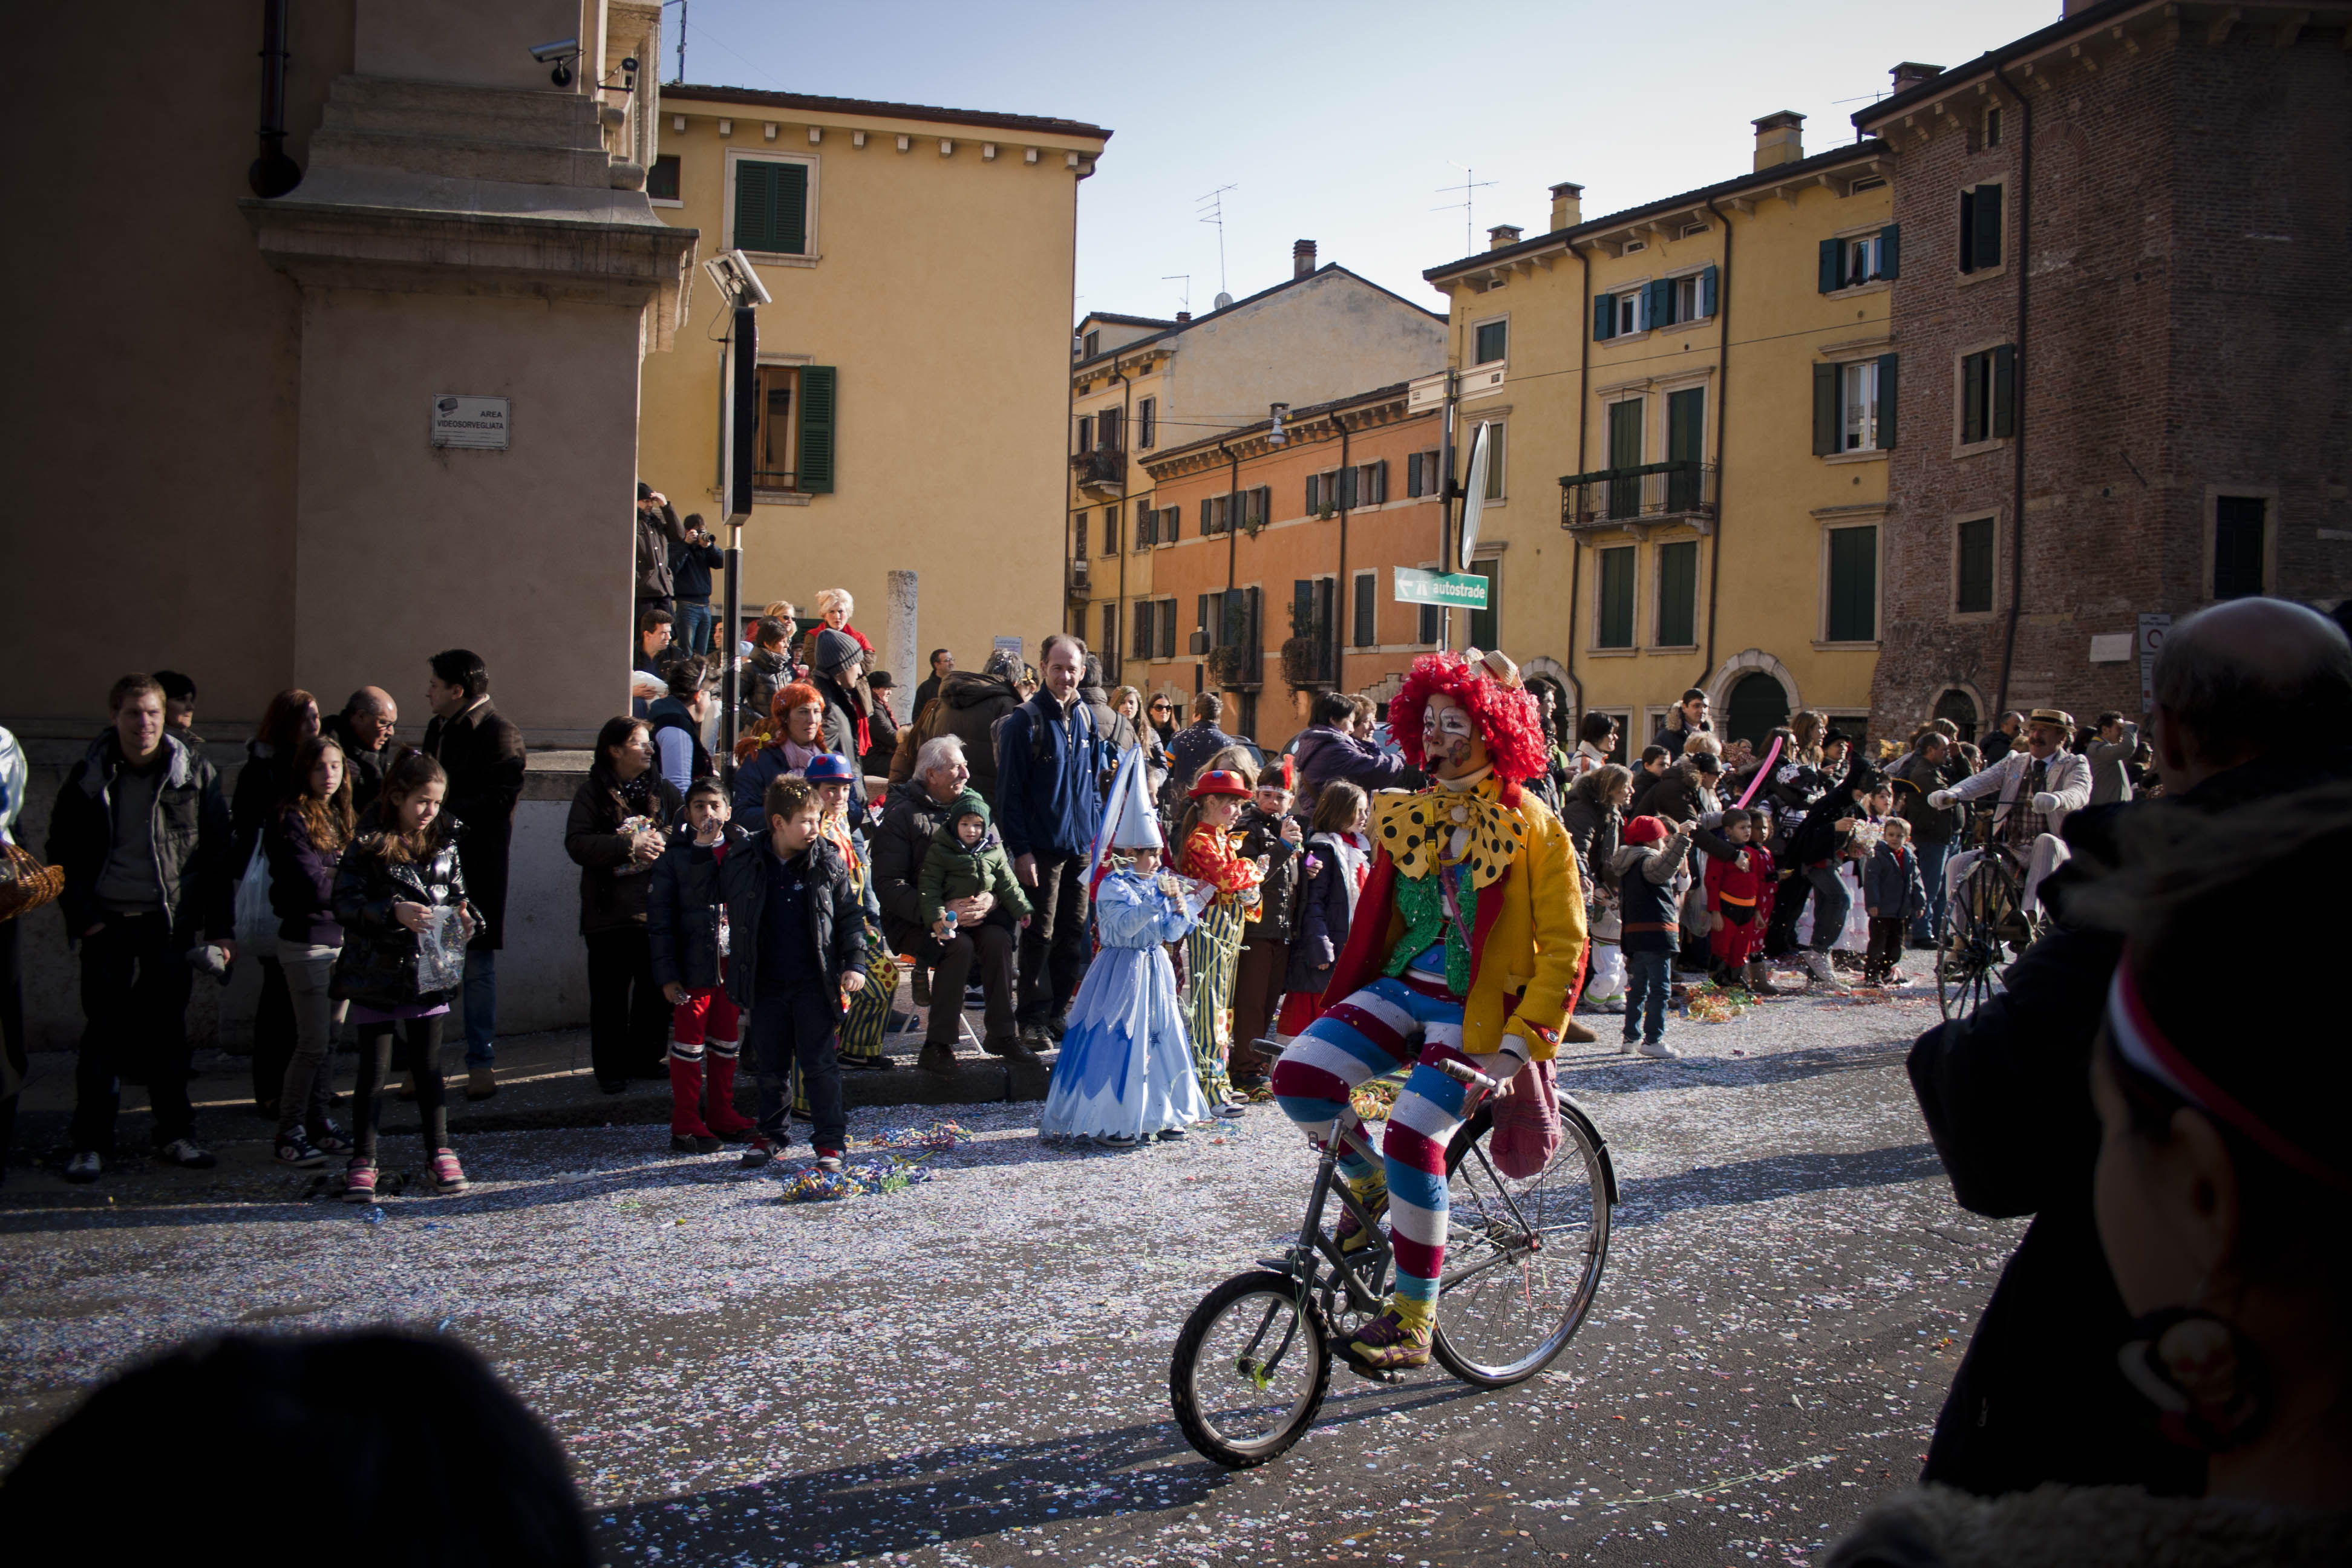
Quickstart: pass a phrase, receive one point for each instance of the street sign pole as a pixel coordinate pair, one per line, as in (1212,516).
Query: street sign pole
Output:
(741,434)
(1447,491)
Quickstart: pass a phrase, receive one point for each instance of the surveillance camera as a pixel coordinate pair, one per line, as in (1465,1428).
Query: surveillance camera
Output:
(561,50)
(628,62)
(753,288)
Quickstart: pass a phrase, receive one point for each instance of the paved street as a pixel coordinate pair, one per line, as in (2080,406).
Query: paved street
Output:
(973,1370)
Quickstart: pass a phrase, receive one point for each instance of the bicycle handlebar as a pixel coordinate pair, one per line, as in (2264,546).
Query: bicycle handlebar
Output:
(1463,1072)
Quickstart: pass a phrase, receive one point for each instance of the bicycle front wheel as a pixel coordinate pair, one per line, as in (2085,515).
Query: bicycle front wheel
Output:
(1970,959)
(1250,1371)
(1523,1258)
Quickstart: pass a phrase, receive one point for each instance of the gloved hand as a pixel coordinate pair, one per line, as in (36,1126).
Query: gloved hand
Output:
(1939,799)
(2045,802)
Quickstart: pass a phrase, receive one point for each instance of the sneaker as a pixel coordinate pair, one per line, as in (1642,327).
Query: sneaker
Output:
(331,1140)
(1816,965)
(1170,1135)
(1228,1110)
(448,1176)
(1656,1050)
(1388,1343)
(1057,1026)
(84,1166)
(1632,1042)
(756,1155)
(828,1159)
(359,1184)
(1614,1006)
(188,1154)
(693,1144)
(481,1081)
(299,1152)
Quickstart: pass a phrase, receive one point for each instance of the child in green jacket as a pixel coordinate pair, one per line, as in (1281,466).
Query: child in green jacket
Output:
(968,858)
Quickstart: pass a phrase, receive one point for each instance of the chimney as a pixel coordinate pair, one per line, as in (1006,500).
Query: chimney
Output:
(1302,257)
(1567,206)
(1183,315)
(1503,234)
(1779,139)
(1911,73)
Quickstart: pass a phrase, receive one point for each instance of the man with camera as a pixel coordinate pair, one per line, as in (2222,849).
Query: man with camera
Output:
(691,565)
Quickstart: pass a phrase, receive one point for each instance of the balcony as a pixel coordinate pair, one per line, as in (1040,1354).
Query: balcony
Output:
(1310,663)
(1651,495)
(1081,577)
(1101,473)
(1236,667)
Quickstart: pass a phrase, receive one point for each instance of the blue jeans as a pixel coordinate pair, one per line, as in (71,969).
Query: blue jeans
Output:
(694,625)
(1831,904)
(1649,981)
(481,1009)
(1929,926)
(798,1024)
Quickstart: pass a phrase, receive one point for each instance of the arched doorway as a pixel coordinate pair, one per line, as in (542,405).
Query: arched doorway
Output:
(1961,709)
(1759,705)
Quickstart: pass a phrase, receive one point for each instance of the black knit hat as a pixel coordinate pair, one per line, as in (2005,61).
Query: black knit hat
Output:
(835,649)
(645,490)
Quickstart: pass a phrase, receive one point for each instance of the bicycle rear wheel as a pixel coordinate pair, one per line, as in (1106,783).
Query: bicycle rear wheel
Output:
(1971,960)
(1523,1258)
(1250,1369)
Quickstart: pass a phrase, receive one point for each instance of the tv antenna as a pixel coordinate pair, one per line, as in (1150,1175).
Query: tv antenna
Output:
(681,36)
(1185,279)
(1469,187)
(1211,209)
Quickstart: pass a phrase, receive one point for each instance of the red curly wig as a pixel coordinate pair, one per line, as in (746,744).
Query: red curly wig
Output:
(1505,718)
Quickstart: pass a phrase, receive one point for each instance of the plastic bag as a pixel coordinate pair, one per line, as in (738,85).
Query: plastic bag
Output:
(1527,1123)
(256,922)
(441,951)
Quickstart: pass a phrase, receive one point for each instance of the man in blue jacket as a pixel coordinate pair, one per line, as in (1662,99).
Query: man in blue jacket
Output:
(691,562)
(1049,770)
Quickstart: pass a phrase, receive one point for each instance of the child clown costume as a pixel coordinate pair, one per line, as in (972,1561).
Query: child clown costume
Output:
(1468,944)
(1126,1071)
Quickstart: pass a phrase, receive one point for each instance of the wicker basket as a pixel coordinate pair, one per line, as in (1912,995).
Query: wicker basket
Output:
(25,882)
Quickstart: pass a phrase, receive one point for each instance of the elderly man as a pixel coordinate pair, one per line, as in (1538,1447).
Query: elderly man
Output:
(916,812)
(363,730)
(2253,700)
(2040,782)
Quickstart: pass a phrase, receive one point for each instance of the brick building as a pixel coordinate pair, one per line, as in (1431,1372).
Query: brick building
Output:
(2127,356)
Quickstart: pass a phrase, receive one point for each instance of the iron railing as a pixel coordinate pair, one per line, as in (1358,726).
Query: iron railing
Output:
(1104,469)
(1651,492)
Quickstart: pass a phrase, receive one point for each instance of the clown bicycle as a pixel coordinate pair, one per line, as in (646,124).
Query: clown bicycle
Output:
(1523,1264)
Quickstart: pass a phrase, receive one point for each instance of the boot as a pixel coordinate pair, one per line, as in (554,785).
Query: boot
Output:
(1817,965)
(686,1098)
(1397,1339)
(922,986)
(1759,979)
(719,1112)
(1575,1034)
(481,1081)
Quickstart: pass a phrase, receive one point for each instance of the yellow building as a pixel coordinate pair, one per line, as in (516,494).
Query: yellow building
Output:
(912,391)
(1692,400)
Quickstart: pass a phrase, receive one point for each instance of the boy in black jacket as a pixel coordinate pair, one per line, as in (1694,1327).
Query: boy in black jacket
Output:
(799,943)
(1267,829)
(709,864)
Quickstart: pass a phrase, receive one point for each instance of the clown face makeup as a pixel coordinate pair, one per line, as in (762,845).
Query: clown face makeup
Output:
(1450,745)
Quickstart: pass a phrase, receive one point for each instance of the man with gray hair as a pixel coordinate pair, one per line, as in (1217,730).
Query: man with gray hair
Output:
(915,811)
(2253,700)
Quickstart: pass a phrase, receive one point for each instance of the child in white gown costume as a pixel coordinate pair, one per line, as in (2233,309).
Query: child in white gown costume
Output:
(1126,1071)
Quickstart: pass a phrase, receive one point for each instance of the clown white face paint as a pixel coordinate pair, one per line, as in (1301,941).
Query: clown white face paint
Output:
(1450,742)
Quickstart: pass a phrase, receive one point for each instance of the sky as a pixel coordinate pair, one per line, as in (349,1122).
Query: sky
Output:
(1345,124)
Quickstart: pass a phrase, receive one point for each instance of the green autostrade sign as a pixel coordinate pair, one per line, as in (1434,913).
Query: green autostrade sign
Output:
(1462,590)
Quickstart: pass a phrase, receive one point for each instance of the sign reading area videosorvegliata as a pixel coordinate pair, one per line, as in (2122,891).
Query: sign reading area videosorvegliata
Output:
(1459,590)
(459,420)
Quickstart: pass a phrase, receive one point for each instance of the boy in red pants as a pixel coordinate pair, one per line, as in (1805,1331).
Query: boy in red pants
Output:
(709,862)
(1739,903)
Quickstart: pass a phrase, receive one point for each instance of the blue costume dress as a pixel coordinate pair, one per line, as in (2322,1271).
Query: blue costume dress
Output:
(1126,1068)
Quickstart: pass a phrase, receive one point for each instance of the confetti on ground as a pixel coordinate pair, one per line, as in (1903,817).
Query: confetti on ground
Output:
(937,1137)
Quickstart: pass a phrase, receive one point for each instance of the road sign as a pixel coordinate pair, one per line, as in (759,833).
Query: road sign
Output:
(1457,590)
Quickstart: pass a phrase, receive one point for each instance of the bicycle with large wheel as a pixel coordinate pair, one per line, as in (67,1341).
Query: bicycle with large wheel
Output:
(1986,924)
(1523,1263)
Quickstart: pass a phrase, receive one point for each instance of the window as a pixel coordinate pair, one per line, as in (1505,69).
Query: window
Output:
(1110,530)
(1615,616)
(1616,315)
(1109,644)
(1367,609)
(1107,430)
(1988,395)
(1872,184)
(1689,229)
(1629,314)
(1313,619)
(1980,227)
(1144,643)
(1689,298)
(1164,624)
(1625,452)
(1146,422)
(1085,432)
(1490,337)
(1485,625)
(1685,443)
(1630,246)
(2238,546)
(1366,484)
(1677,593)
(1079,537)
(1494,428)
(1426,631)
(661,180)
(1851,613)
(1171,524)
(1146,526)
(1993,125)
(772,205)
(1854,405)
(1201,642)
(1423,476)
(1257,507)
(1093,342)
(794,444)
(1972,571)
(1860,258)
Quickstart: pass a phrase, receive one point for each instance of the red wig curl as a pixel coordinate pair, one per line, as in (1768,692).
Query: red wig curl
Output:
(1506,717)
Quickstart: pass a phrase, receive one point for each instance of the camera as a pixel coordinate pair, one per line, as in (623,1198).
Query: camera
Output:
(562,52)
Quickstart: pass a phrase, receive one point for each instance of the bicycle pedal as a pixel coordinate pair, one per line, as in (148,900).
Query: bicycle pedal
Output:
(1372,1373)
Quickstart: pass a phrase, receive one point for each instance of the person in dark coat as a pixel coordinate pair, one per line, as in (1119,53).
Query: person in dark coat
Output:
(917,811)
(691,562)
(658,529)
(482,751)
(364,730)
(617,828)
(1327,748)
(263,785)
(709,864)
(881,723)
(1196,743)
(1049,770)
(142,836)
(2241,690)
(1683,720)
(838,677)
(942,666)
(970,703)
(2003,739)
(767,670)
(1933,764)
(1267,829)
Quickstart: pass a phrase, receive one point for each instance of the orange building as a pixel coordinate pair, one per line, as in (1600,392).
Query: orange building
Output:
(1272,572)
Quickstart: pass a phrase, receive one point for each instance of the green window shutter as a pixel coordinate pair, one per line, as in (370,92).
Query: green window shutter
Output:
(1205,529)
(1678,594)
(1658,309)
(1833,267)
(1367,608)
(1604,325)
(1166,619)
(2004,390)
(1974,590)
(1825,410)
(1984,242)
(1347,487)
(1890,252)
(819,424)
(1615,620)
(1685,424)
(1853,584)
(754,205)
(1486,625)
(1887,381)
(772,206)
(1968,231)
(1707,284)
(1491,339)
(1972,398)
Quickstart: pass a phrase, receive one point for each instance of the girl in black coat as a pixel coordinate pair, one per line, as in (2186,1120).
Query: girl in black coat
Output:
(395,886)
(305,843)
(617,829)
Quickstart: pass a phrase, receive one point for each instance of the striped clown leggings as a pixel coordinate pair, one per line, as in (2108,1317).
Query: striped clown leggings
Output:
(1377,1030)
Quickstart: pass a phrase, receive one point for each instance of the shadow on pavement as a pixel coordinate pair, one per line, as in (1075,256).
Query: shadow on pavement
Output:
(1643,1200)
